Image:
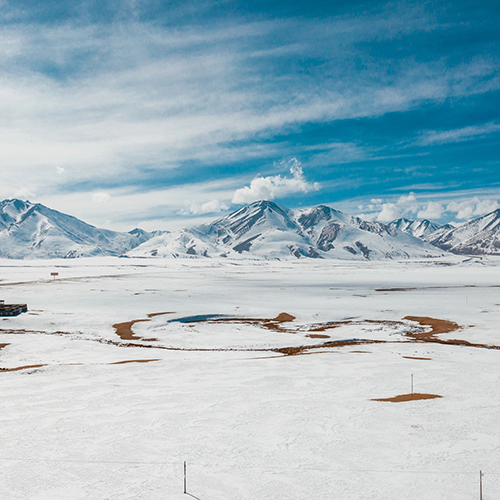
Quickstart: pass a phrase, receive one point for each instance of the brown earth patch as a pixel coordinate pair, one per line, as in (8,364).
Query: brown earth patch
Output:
(124,330)
(283,318)
(408,397)
(27,367)
(274,324)
(152,315)
(329,326)
(133,361)
(318,336)
(293,351)
(439,326)
(416,357)
(394,289)
(3,345)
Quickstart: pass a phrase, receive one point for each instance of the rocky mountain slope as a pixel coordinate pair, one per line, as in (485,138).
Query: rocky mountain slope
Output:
(261,230)
(30,230)
(417,228)
(266,230)
(479,236)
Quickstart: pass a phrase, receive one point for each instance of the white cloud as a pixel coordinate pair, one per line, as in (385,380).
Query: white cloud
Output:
(436,206)
(405,200)
(210,207)
(273,186)
(473,207)
(433,210)
(486,206)
(145,96)
(458,135)
(389,212)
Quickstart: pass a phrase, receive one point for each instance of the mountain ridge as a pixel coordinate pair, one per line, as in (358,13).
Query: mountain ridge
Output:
(267,230)
(32,230)
(260,230)
(480,236)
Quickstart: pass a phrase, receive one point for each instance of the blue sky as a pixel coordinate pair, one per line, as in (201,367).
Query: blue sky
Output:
(163,114)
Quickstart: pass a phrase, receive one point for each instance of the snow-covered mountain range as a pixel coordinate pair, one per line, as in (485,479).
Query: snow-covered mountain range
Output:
(417,228)
(479,236)
(265,230)
(261,230)
(29,230)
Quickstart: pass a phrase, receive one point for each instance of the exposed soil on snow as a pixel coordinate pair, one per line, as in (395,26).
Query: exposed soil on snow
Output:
(408,397)
(152,315)
(427,331)
(125,332)
(439,326)
(293,351)
(329,326)
(275,324)
(26,367)
(416,357)
(3,345)
(281,324)
(133,361)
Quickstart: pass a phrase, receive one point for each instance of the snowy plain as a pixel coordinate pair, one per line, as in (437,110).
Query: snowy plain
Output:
(251,422)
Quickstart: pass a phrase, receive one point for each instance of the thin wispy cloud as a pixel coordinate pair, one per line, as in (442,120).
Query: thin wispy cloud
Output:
(459,135)
(141,103)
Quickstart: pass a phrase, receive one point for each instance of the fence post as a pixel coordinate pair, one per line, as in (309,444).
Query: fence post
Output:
(480,485)
(185,491)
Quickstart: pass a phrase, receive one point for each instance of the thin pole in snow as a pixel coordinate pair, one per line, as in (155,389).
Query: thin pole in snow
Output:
(480,485)
(185,482)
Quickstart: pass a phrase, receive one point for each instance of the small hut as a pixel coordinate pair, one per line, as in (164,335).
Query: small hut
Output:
(12,309)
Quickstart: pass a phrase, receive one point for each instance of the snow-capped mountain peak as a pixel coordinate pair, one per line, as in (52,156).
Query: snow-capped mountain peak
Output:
(267,230)
(479,236)
(32,230)
(417,228)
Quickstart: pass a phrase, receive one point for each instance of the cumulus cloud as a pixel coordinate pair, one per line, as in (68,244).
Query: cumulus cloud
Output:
(210,207)
(405,200)
(389,212)
(436,209)
(275,186)
(472,208)
(433,210)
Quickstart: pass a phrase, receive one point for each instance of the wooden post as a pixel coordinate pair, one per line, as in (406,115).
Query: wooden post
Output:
(480,485)
(185,491)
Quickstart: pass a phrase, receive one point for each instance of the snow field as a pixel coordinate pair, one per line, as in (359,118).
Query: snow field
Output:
(250,424)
